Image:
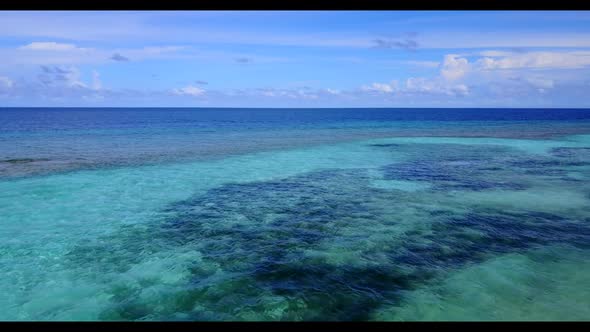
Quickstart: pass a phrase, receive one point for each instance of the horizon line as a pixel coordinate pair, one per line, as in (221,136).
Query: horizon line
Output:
(330,108)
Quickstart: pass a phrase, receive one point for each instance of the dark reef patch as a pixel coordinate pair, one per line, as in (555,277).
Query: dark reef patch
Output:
(385,145)
(456,241)
(572,153)
(255,240)
(22,160)
(457,167)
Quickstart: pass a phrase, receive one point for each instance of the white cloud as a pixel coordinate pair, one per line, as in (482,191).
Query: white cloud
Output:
(419,84)
(305,93)
(381,87)
(49,46)
(269,93)
(59,84)
(536,60)
(332,91)
(425,64)
(460,90)
(189,90)
(454,67)
(96,83)
(452,70)
(508,72)
(287,93)
(6,82)
(434,86)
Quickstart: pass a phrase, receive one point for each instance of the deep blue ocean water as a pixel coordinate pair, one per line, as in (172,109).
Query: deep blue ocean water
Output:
(74,138)
(294,214)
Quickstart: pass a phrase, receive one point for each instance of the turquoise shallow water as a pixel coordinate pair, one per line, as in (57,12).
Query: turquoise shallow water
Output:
(356,222)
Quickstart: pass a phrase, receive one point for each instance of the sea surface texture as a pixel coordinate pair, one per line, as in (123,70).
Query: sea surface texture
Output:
(294,214)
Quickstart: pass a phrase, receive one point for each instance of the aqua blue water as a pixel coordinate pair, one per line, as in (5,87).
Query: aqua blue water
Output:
(284,214)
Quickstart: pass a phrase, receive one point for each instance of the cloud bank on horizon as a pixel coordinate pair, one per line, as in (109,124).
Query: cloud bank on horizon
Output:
(295,59)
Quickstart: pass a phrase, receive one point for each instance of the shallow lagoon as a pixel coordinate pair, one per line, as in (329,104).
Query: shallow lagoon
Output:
(355,228)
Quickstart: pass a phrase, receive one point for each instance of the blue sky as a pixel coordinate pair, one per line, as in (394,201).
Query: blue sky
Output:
(295,59)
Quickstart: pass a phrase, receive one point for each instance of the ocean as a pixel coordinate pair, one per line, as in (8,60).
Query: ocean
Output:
(294,214)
